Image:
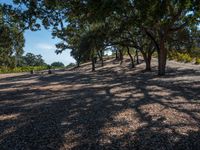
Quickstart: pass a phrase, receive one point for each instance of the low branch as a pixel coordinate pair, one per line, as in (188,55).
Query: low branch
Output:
(152,38)
(178,28)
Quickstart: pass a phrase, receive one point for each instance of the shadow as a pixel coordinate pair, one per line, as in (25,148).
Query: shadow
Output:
(112,108)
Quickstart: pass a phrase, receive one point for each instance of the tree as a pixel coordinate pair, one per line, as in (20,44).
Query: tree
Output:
(57,64)
(33,60)
(159,20)
(163,19)
(11,38)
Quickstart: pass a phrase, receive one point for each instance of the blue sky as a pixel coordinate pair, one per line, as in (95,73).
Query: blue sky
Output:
(41,42)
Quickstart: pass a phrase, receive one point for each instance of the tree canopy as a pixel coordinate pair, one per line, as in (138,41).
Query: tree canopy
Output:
(57,64)
(11,37)
(89,27)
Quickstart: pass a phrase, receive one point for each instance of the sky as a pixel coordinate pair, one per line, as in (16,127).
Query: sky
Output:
(41,42)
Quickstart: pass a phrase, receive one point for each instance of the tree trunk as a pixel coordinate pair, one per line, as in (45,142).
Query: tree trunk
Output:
(162,58)
(137,57)
(99,55)
(78,64)
(131,58)
(78,61)
(147,59)
(102,63)
(93,61)
(148,64)
(121,57)
(162,52)
(93,64)
(116,55)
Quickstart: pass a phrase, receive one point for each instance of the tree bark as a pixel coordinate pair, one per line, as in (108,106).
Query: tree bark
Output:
(116,55)
(131,58)
(162,58)
(93,61)
(102,62)
(121,56)
(93,64)
(162,52)
(148,64)
(137,57)
(78,64)
(147,59)
(99,55)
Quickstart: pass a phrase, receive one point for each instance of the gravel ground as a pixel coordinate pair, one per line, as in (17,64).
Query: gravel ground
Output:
(113,108)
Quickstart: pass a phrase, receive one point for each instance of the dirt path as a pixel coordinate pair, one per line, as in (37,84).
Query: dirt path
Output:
(113,108)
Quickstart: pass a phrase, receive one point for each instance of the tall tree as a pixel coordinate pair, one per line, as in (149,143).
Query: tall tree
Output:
(11,37)
(159,19)
(33,60)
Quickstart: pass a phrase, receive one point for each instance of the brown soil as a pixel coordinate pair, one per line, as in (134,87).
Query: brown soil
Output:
(113,108)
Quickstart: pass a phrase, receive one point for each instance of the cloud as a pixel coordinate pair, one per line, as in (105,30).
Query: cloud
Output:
(45,46)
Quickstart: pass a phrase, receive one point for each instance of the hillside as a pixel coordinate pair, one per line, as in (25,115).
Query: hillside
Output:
(114,107)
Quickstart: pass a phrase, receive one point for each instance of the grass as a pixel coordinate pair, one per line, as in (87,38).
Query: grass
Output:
(22,69)
(197,61)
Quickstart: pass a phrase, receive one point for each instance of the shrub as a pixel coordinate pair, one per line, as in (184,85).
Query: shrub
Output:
(187,58)
(71,65)
(197,61)
(184,57)
(172,55)
(22,69)
(57,65)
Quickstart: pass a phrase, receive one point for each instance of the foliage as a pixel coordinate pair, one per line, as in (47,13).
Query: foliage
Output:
(184,58)
(70,65)
(25,64)
(197,60)
(32,60)
(58,64)
(11,37)
(87,27)
(22,69)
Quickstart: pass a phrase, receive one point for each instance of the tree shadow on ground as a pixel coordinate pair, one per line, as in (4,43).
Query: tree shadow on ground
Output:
(113,108)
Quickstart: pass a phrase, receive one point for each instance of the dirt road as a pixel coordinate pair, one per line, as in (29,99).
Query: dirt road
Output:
(113,108)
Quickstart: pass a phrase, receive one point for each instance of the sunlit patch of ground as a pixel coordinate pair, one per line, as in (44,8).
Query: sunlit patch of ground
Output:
(113,108)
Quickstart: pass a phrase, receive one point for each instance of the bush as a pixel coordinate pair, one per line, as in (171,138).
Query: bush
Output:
(197,61)
(172,55)
(187,58)
(22,69)
(71,65)
(184,57)
(57,65)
